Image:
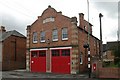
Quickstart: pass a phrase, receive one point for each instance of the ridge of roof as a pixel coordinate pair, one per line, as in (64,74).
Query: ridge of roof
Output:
(5,35)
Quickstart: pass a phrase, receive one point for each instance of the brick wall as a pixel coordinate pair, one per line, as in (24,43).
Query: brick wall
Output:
(83,39)
(109,73)
(76,37)
(10,60)
(59,23)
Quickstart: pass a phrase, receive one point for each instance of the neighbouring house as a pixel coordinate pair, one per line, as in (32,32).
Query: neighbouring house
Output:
(55,43)
(108,54)
(12,49)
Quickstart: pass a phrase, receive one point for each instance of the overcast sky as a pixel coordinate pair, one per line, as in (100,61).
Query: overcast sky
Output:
(17,14)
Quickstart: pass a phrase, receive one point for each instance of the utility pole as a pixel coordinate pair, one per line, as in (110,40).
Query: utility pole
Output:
(89,62)
(101,47)
(87,45)
(118,33)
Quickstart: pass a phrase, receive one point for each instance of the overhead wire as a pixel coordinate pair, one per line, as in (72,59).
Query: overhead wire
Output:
(21,9)
(16,9)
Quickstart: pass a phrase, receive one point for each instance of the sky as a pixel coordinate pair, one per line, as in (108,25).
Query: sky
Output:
(17,14)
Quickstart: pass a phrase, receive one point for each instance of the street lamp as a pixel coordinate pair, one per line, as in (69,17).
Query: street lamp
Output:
(101,47)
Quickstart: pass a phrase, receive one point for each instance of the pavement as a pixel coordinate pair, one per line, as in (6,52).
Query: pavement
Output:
(25,75)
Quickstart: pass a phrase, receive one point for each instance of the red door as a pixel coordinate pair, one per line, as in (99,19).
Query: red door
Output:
(42,60)
(65,61)
(61,61)
(38,61)
(34,61)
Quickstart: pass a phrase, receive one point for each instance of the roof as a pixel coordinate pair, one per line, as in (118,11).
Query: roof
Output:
(87,33)
(5,35)
(110,45)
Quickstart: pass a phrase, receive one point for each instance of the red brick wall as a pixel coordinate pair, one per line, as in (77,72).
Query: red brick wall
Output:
(109,73)
(94,47)
(76,36)
(9,61)
(84,24)
(59,23)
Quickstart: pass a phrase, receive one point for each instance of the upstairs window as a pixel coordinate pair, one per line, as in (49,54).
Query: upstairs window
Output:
(55,35)
(42,36)
(35,37)
(64,34)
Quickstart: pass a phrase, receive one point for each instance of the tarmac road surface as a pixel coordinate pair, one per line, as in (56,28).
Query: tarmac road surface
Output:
(25,75)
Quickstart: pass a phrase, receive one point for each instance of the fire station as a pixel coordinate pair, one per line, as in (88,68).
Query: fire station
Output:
(55,43)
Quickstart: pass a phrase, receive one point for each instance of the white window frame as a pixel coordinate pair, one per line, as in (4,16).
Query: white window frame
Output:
(56,34)
(42,36)
(35,35)
(63,32)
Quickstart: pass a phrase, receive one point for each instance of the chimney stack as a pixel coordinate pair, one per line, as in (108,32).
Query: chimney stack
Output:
(81,20)
(74,20)
(2,29)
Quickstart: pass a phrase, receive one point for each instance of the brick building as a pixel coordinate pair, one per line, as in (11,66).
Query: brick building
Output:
(55,43)
(13,49)
(108,50)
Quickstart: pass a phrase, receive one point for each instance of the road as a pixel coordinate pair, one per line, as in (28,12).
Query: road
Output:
(24,75)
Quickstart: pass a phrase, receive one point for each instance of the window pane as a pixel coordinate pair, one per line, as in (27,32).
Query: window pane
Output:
(34,54)
(64,33)
(42,36)
(55,53)
(34,36)
(42,53)
(55,34)
(66,52)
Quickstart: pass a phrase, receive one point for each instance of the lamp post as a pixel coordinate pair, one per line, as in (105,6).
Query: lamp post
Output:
(101,47)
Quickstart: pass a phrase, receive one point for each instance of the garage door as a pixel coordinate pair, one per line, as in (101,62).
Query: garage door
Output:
(60,61)
(38,61)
